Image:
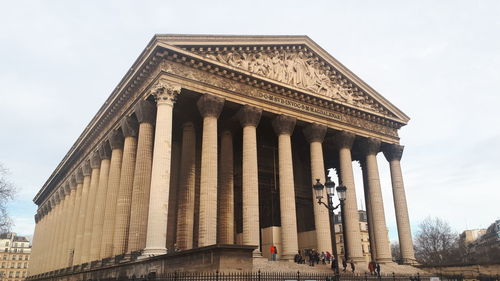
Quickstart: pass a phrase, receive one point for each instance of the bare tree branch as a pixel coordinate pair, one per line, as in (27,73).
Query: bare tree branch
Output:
(7,192)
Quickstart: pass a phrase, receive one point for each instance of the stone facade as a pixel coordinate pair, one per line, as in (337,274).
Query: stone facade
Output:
(218,139)
(15,256)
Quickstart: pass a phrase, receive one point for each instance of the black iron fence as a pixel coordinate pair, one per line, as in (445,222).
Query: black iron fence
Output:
(269,276)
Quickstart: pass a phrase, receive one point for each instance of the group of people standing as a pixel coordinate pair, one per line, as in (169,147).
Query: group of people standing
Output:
(374,268)
(314,257)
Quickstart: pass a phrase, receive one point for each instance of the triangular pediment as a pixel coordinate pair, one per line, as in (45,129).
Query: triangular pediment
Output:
(295,61)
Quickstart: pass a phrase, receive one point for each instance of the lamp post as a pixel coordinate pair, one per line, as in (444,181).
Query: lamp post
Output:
(330,191)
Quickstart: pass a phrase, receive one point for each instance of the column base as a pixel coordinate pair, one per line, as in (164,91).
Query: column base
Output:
(151,252)
(257,254)
(385,260)
(287,257)
(410,262)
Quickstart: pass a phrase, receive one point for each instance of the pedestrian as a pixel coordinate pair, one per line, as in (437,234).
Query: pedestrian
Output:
(378,269)
(371,267)
(352,266)
(335,265)
(311,258)
(272,251)
(275,253)
(344,264)
(328,257)
(323,258)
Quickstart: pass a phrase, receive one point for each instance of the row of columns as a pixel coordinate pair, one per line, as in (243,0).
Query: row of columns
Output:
(118,200)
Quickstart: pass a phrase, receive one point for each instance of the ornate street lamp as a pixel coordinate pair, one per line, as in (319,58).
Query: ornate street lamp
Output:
(330,191)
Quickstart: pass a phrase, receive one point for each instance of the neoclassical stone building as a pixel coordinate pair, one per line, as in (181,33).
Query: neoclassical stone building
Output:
(218,140)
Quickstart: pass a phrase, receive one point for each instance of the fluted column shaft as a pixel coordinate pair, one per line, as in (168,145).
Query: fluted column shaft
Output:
(344,142)
(393,154)
(35,243)
(124,201)
(369,213)
(70,206)
(210,107)
(173,198)
(82,216)
(95,163)
(100,203)
(108,230)
(383,254)
(283,126)
(315,135)
(145,112)
(249,118)
(57,241)
(225,224)
(187,177)
(75,217)
(156,237)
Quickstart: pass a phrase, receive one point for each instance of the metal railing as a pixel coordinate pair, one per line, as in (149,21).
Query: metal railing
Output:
(267,276)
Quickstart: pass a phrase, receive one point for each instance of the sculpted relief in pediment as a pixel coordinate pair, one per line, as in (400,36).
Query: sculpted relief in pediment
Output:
(296,68)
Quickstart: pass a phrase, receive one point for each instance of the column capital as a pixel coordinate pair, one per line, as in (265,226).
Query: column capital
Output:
(283,125)
(343,139)
(210,105)
(249,115)
(79,175)
(165,92)
(116,139)
(393,151)
(95,160)
(66,188)
(72,182)
(145,112)
(105,150)
(130,127)
(314,132)
(86,169)
(369,146)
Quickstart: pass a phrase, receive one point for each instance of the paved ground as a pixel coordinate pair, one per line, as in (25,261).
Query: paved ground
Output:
(264,265)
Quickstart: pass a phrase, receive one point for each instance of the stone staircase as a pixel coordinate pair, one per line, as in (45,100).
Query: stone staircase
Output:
(265,265)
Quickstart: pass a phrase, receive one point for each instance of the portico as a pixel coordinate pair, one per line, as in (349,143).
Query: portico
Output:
(218,139)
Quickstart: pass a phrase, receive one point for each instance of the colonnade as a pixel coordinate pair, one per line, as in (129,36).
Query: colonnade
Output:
(117,200)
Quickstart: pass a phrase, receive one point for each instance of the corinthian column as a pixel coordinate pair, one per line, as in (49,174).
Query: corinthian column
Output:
(145,112)
(129,128)
(283,127)
(95,164)
(108,230)
(210,107)
(343,141)
(225,224)
(100,202)
(249,118)
(156,238)
(369,213)
(80,228)
(68,216)
(187,177)
(63,222)
(56,224)
(393,154)
(75,216)
(315,135)
(174,195)
(370,148)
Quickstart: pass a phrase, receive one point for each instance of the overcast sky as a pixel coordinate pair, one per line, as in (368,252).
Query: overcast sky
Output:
(438,61)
